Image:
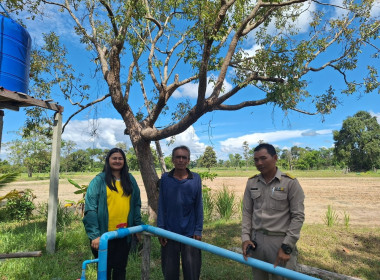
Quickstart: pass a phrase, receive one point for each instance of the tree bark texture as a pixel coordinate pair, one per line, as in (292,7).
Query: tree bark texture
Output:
(148,174)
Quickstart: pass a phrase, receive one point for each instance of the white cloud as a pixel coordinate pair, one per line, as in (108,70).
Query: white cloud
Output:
(305,17)
(252,51)
(375,12)
(188,138)
(234,145)
(338,12)
(301,23)
(191,90)
(53,20)
(377,115)
(109,132)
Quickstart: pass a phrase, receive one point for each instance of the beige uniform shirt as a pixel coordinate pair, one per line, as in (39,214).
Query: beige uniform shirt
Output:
(277,207)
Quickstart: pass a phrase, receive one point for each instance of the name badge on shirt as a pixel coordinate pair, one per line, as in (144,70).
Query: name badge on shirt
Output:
(279,189)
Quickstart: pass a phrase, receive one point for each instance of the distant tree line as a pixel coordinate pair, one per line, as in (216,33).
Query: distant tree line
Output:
(32,154)
(356,147)
(293,158)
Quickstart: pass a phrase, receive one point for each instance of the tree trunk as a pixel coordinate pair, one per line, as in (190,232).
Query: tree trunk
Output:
(160,156)
(148,174)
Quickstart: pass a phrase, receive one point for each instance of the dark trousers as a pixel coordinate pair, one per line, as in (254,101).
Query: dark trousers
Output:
(117,258)
(170,261)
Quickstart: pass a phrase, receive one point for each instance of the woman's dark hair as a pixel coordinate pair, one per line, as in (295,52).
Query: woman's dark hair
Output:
(125,181)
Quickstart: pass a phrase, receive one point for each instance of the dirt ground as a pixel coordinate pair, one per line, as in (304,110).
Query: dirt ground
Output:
(358,197)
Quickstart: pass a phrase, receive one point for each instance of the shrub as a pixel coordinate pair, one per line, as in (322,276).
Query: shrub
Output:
(65,215)
(20,205)
(346,219)
(225,203)
(331,217)
(208,200)
(208,203)
(80,203)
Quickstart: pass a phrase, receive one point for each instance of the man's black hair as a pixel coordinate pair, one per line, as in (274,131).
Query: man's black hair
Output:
(183,147)
(271,150)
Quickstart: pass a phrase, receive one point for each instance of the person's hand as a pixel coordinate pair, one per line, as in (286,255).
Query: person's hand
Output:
(197,237)
(282,258)
(244,248)
(95,243)
(163,241)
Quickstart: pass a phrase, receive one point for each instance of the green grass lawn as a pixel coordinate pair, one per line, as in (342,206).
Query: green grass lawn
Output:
(352,251)
(221,172)
(250,171)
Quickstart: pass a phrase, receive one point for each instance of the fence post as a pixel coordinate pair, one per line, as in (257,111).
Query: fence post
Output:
(145,262)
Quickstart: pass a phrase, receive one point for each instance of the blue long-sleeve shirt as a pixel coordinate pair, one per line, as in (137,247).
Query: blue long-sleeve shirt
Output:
(180,207)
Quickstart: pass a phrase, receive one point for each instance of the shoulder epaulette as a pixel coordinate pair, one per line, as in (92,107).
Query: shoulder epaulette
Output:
(289,175)
(254,176)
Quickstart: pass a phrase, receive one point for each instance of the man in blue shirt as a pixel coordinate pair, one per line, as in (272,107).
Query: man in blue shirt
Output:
(180,210)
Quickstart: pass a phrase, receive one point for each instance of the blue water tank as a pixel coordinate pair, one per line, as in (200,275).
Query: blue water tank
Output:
(15,45)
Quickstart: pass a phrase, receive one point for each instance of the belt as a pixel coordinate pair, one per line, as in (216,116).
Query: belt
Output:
(271,233)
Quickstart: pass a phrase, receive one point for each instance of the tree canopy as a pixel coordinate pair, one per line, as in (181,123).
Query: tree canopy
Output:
(208,159)
(148,52)
(357,143)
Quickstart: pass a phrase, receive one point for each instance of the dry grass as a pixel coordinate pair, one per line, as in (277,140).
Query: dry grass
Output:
(353,251)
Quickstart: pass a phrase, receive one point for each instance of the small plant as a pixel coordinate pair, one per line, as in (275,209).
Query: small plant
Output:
(8,178)
(207,175)
(145,216)
(208,200)
(80,203)
(20,205)
(241,208)
(64,215)
(208,203)
(331,217)
(225,203)
(346,219)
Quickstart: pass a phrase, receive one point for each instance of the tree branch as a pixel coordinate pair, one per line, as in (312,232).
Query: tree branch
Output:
(83,107)
(223,107)
(331,5)
(111,16)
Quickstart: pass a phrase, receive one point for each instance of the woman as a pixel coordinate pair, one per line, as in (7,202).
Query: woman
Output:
(112,199)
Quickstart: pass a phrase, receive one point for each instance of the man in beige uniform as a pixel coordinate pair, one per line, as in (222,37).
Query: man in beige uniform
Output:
(273,214)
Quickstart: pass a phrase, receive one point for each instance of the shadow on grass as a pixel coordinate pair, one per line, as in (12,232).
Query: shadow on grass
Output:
(353,251)
(224,234)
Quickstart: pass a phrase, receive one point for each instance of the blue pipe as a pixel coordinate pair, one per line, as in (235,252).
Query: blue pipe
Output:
(102,266)
(290,274)
(103,246)
(83,276)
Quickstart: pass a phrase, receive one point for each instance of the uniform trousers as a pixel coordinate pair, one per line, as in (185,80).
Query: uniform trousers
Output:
(170,261)
(267,250)
(117,258)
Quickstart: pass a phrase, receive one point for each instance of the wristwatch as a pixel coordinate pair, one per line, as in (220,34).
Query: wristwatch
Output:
(287,249)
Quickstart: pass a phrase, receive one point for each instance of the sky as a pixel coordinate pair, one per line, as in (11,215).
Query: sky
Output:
(224,131)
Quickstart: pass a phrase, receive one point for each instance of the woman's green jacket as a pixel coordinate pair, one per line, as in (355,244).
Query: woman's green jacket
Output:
(96,211)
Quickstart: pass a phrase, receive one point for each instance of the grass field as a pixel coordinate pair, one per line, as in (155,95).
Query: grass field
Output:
(225,172)
(352,250)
